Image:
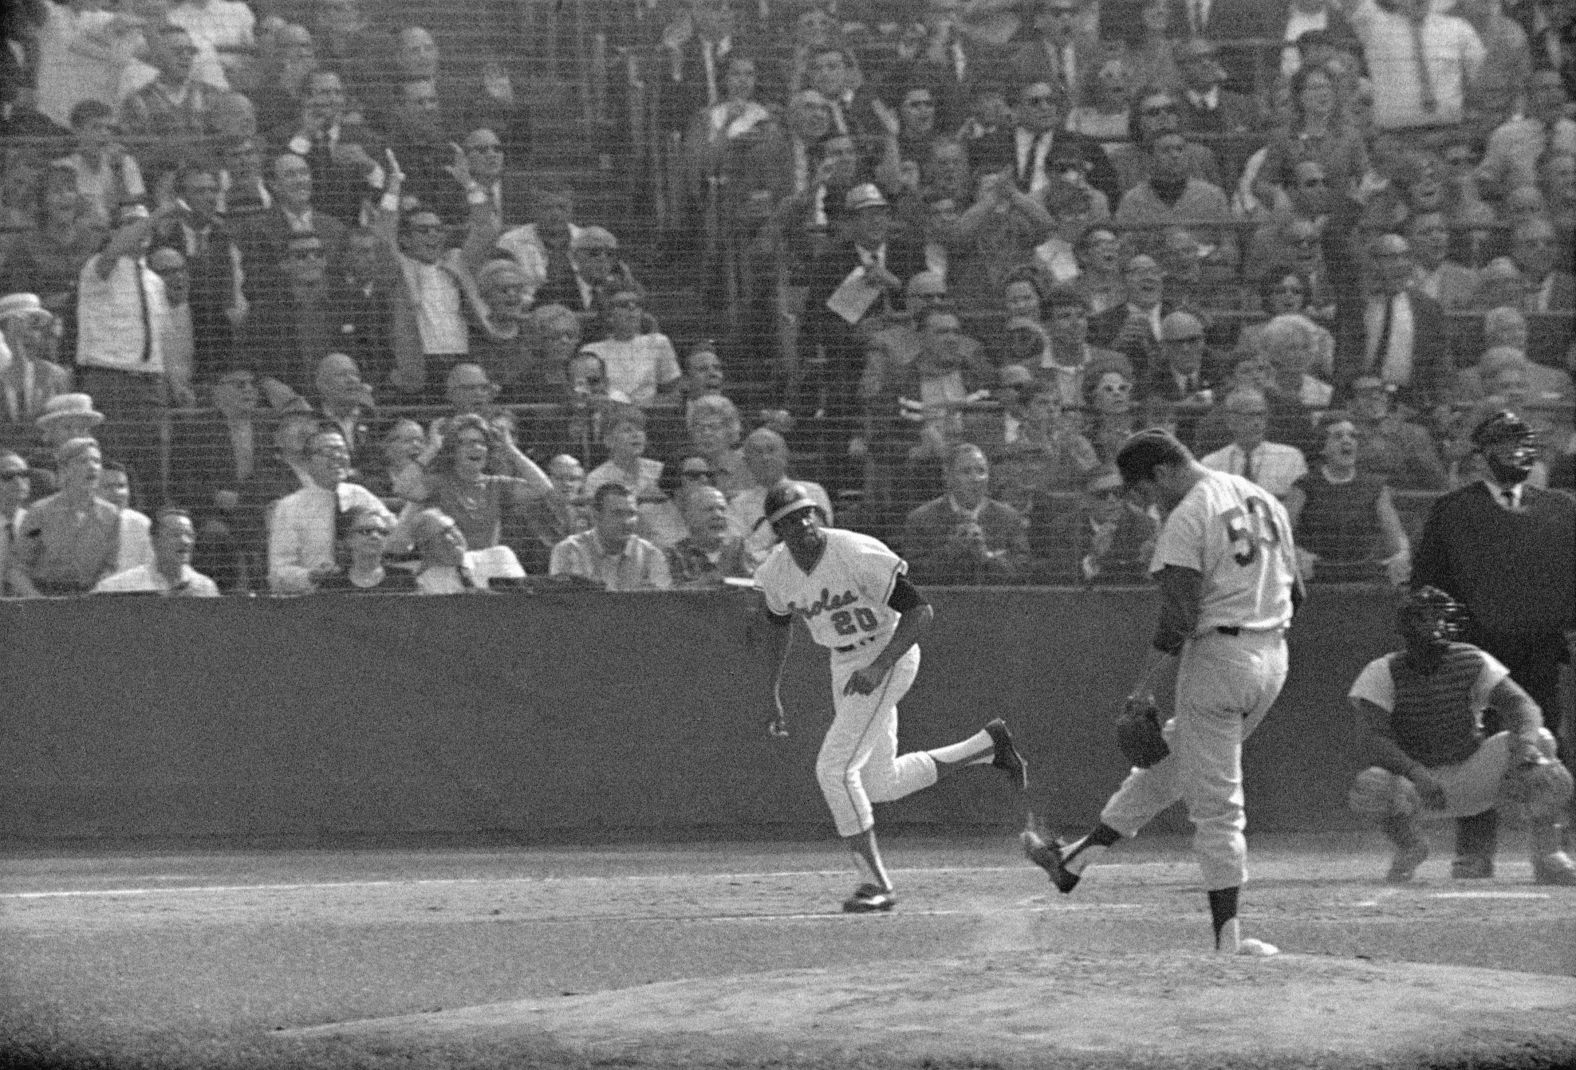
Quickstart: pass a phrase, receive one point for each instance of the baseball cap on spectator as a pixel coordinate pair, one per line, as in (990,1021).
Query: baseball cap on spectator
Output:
(21,305)
(864,195)
(594,238)
(64,405)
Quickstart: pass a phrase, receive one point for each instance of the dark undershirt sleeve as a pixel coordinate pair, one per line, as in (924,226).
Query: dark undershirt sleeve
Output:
(782,620)
(905,596)
(1179,594)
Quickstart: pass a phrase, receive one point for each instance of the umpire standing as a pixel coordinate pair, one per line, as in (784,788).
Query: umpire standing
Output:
(1507,551)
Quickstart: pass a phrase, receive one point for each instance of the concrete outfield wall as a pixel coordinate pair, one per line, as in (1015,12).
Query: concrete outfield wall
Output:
(567,714)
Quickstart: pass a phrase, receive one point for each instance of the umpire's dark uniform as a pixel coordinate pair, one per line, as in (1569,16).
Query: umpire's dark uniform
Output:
(1514,568)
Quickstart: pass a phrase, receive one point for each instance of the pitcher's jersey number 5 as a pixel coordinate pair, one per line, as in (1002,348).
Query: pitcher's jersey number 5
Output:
(1249,528)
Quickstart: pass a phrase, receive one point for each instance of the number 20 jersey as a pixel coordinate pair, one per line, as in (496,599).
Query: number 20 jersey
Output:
(1238,537)
(843,600)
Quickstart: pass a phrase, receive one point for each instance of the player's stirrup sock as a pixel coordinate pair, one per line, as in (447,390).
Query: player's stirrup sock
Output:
(1081,854)
(975,750)
(1222,909)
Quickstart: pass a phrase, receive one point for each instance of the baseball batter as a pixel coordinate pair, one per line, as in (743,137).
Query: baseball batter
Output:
(1422,709)
(1227,572)
(854,595)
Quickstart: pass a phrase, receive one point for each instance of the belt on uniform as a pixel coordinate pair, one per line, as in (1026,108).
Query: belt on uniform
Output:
(853,646)
(1231,630)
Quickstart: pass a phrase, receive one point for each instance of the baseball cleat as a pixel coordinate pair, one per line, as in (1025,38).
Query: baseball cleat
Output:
(1007,758)
(1256,948)
(1555,868)
(1472,868)
(1048,856)
(869,899)
(1405,862)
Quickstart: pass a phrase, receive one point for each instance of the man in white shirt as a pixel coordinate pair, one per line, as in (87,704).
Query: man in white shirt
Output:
(304,527)
(1272,465)
(1424,63)
(171,573)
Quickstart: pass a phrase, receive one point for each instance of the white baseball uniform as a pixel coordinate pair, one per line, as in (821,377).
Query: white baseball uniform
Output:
(843,601)
(1238,537)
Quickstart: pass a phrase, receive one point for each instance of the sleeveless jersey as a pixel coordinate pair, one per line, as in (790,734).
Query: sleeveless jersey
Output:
(1238,537)
(1435,717)
(843,600)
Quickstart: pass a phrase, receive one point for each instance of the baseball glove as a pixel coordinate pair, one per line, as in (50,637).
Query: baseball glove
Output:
(1138,733)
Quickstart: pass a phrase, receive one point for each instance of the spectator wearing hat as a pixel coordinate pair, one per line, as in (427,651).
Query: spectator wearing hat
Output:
(71,539)
(28,379)
(852,286)
(65,417)
(16,487)
(171,573)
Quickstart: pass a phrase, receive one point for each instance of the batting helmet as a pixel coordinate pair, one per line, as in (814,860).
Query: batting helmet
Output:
(1430,617)
(785,499)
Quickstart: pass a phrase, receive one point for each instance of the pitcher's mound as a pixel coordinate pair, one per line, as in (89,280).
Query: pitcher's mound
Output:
(1159,1009)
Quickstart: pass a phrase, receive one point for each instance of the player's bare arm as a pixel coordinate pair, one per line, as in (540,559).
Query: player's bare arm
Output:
(779,640)
(1386,753)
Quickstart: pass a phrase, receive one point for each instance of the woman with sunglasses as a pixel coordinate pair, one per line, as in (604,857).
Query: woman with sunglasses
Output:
(365,535)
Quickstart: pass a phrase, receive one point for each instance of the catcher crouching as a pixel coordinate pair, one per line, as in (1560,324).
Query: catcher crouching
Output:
(1423,711)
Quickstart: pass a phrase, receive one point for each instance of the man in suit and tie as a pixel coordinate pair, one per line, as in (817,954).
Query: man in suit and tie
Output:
(263,236)
(1232,23)
(833,75)
(213,262)
(1133,327)
(218,456)
(1062,51)
(1207,105)
(693,64)
(1027,148)
(1534,248)
(341,154)
(27,379)
(1186,377)
(1385,328)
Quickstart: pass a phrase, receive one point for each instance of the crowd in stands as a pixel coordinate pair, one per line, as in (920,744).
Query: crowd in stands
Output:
(298,295)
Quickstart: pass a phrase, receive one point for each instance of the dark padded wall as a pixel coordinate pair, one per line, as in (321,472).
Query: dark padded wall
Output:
(579,714)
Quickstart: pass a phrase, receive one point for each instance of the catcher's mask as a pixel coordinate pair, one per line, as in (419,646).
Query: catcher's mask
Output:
(1501,428)
(1429,618)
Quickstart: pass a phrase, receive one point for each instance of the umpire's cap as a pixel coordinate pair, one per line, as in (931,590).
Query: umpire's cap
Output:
(785,499)
(1498,427)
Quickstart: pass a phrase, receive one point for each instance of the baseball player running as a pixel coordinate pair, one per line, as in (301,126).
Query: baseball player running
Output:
(1227,572)
(1423,712)
(855,597)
